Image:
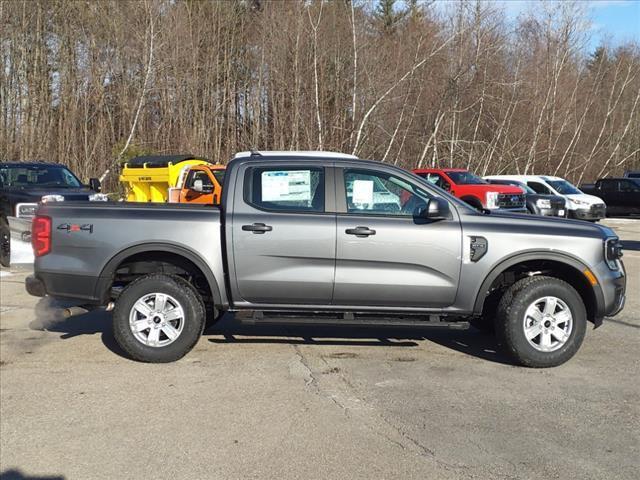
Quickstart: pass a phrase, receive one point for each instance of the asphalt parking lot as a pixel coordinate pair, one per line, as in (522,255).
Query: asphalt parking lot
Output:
(287,403)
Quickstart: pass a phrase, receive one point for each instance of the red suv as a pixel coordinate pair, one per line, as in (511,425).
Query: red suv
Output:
(474,190)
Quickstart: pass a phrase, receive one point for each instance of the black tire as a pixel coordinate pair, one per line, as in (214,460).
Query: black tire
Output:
(5,243)
(474,202)
(194,318)
(511,315)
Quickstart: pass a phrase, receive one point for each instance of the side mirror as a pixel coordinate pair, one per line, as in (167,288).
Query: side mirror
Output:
(436,209)
(94,184)
(199,187)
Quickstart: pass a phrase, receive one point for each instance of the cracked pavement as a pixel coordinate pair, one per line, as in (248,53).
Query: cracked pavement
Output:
(303,402)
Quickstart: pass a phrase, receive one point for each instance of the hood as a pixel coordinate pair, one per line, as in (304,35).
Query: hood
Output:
(33,195)
(525,223)
(492,187)
(583,197)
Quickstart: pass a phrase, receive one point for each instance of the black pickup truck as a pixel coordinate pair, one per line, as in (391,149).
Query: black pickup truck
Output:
(622,195)
(25,184)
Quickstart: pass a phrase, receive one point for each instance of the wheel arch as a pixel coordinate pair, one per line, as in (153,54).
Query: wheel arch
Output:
(158,249)
(561,265)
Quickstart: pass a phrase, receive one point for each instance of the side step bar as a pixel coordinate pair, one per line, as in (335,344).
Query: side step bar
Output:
(256,317)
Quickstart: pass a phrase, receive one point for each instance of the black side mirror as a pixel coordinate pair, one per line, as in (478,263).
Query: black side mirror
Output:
(436,209)
(94,184)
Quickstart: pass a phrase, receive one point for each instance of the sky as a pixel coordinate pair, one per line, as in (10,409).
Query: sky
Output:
(612,21)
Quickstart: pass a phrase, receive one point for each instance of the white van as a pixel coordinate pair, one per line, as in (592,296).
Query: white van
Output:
(579,205)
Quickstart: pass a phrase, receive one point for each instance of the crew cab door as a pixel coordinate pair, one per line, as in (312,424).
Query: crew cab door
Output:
(385,255)
(284,241)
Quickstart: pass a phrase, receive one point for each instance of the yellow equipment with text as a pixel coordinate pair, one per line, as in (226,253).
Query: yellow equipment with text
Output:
(148,178)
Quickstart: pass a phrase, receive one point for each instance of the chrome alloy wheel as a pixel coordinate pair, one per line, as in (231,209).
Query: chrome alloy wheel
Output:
(548,323)
(156,319)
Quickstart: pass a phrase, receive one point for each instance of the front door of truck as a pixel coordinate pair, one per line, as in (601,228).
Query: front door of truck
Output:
(386,256)
(284,242)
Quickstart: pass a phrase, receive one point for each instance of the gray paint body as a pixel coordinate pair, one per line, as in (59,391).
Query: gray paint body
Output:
(308,262)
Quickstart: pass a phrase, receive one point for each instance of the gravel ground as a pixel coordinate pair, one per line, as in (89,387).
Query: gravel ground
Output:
(313,403)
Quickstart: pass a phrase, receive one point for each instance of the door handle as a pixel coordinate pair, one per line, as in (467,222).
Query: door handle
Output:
(257,228)
(360,231)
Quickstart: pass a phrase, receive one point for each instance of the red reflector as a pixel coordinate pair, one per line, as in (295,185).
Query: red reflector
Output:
(41,235)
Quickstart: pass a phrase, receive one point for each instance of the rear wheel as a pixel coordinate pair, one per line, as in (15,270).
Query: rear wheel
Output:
(541,321)
(158,318)
(5,243)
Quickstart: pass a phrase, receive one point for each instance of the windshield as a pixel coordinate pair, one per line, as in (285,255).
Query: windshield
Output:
(563,187)
(37,176)
(465,178)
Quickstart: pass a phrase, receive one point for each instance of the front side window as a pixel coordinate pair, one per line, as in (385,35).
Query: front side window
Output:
(38,176)
(466,178)
(198,175)
(286,189)
(629,186)
(376,193)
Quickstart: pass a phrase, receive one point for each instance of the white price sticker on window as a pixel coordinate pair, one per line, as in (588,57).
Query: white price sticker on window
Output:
(362,192)
(287,185)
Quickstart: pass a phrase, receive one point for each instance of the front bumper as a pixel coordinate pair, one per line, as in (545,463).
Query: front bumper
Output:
(595,212)
(553,212)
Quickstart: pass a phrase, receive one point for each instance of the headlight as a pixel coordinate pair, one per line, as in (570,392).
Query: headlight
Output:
(492,200)
(26,210)
(612,252)
(52,198)
(543,203)
(98,197)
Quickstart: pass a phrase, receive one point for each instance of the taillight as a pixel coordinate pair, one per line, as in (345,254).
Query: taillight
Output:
(41,235)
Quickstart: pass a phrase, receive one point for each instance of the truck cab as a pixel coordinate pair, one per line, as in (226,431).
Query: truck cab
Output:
(622,195)
(202,184)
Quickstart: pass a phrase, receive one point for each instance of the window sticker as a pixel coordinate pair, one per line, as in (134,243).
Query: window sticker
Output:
(362,192)
(287,185)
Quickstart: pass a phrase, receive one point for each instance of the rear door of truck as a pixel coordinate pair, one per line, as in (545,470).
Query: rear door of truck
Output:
(283,236)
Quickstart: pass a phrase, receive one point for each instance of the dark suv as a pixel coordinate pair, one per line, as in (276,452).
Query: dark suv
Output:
(23,185)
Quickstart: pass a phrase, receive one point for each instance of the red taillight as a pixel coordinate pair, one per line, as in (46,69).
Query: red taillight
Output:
(41,235)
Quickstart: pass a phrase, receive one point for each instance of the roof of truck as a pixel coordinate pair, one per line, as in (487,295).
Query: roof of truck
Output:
(524,178)
(35,163)
(293,153)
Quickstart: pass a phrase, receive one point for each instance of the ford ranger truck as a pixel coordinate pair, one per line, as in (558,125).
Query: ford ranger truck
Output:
(476,191)
(307,238)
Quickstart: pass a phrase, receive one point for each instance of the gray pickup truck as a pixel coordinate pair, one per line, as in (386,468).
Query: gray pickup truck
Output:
(327,238)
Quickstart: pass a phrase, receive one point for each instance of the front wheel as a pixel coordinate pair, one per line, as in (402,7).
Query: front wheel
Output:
(158,318)
(541,321)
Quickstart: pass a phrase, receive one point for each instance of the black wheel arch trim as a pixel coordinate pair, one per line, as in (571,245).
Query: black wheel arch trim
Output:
(521,257)
(103,286)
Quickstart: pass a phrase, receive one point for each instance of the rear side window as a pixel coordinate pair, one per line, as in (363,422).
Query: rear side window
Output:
(295,189)
(609,185)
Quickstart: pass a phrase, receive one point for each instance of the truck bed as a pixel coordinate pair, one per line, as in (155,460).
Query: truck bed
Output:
(91,238)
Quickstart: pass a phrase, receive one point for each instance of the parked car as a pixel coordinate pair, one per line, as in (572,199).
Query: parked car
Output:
(290,243)
(23,185)
(538,203)
(632,174)
(622,195)
(474,190)
(579,204)
(199,184)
